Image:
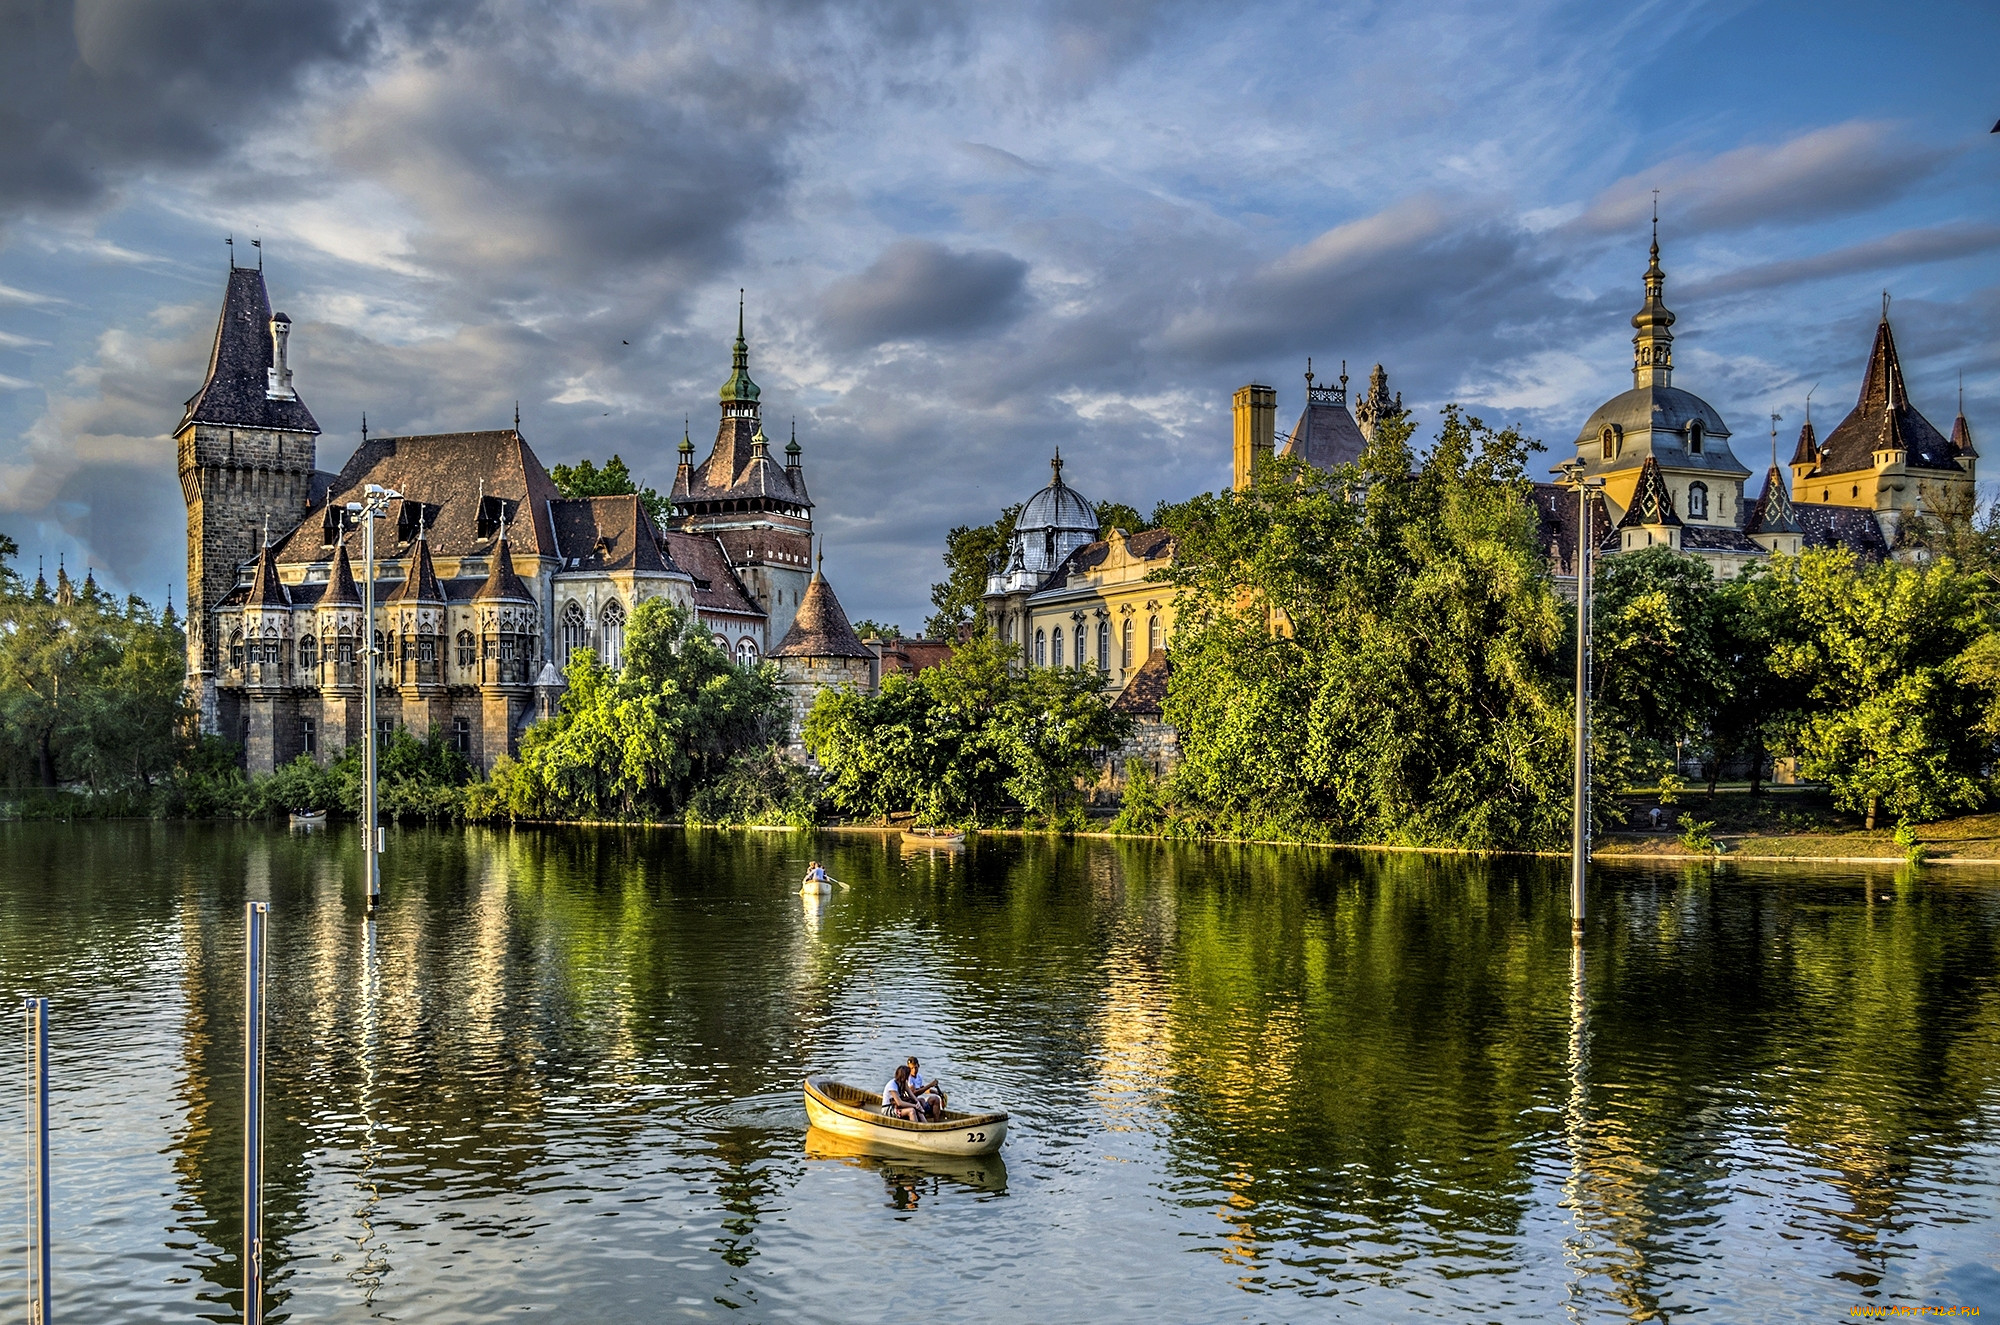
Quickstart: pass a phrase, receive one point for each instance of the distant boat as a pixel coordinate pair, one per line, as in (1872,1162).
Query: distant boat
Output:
(308,818)
(855,1113)
(921,839)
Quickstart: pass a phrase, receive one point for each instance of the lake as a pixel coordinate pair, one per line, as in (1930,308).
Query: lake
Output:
(560,1075)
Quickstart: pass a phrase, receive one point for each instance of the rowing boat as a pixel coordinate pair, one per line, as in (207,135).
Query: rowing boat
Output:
(853,1112)
(919,839)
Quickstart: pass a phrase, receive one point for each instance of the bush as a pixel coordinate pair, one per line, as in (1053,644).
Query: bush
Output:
(758,787)
(1145,810)
(1698,836)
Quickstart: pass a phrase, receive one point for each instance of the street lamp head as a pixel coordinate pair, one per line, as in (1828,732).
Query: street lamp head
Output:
(354,508)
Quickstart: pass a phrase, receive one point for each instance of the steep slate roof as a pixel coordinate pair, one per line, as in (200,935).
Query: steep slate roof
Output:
(232,395)
(1850,527)
(1326,435)
(1147,690)
(341,587)
(1884,419)
(608,534)
(1712,538)
(1961,437)
(421,584)
(1556,509)
(716,588)
(502,584)
(1807,451)
(1772,511)
(266,589)
(444,472)
(1652,502)
(821,629)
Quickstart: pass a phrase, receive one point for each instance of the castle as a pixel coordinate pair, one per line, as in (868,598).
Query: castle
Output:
(487,578)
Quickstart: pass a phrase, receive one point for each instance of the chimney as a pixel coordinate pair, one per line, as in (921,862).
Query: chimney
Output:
(278,377)
(1256,419)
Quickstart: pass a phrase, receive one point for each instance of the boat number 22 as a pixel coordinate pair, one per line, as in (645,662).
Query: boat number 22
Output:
(975,1136)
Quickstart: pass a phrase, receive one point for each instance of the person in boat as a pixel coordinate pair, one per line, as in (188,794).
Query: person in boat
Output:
(815,876)
(929,1093)
(900,1100)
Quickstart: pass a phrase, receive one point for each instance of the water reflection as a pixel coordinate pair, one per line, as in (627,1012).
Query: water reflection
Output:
(560,1070)
(908,1178)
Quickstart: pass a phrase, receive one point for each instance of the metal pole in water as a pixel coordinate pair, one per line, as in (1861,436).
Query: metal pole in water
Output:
(368,811)
(1580,811)
(36,1016)
(253,1112)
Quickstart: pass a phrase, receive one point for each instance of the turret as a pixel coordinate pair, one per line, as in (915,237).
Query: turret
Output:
(1653,344)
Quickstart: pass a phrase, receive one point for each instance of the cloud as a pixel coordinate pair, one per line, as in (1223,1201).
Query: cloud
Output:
(917,290)
(1829,172)
(1904,248)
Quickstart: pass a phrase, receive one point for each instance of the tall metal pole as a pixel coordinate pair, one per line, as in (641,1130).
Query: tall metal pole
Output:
(36,1012)
(254,914)
(1580,806)
(369,814)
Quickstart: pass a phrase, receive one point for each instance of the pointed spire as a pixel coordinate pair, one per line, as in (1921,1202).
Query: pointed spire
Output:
(41,584)
(89,585)
(1652,501)
(65,592)
(420,585)
(1961,431)
(1055,464)
(739,389)
(517,418)
(502,584)
(792,448)
(820,629)
(687,442)
(266,589)
(1772,513)
(1653,345)
(341,590)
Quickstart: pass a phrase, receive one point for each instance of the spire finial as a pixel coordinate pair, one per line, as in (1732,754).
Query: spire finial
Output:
(230,240)
(1055,463)
(1309,372)
(517,418)
(739,312)
(1343,377)
(1809,395)
(1656,220)
(1775,417)
(267,529)
(1885,305)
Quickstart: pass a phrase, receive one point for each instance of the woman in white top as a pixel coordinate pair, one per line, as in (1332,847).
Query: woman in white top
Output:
(900,1100)
(929,1094)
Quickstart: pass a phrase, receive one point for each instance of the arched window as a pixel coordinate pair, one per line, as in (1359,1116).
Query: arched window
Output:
(612,618)
(1041,648)
(427,648)
(1152,634)
(468,649)
(1125,645)
(575,630)
(1055,648)
(1608,440)
(380,651)
(308,654)
(1697,501)
(746,652)
(1076,637)
(1104,646)
(1694,437)
(344,653)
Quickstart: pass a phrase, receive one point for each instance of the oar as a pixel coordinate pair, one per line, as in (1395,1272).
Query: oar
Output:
(848,886)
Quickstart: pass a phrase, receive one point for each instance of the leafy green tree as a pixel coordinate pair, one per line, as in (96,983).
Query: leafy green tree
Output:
(1882,654)
(1660,678)
(970,741)
(614,479)
(1117,515)
(1374,653)
(971,553)
(637,741)
(877,630)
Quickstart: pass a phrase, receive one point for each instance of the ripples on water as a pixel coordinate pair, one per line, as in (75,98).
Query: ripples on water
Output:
(560,1074)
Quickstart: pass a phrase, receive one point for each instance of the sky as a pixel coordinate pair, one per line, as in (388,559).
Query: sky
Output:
(969,233)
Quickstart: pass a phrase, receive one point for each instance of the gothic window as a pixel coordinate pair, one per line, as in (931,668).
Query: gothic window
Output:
(461,736)
(506,648)
(1104,646)
(381,647)
(1041,648)
(613,620)
(1056,648)
(468,652)
(345,650)
(1152,634)
(236,649)
(1125,646)
(1694,437)
(575,630)
(308,655)
(1698,501)
(746,651)
(426,648)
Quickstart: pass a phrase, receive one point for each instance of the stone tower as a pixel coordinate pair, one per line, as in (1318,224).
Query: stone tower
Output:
(247,447)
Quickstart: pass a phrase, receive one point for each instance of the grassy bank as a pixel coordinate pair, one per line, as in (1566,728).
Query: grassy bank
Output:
(1798,823)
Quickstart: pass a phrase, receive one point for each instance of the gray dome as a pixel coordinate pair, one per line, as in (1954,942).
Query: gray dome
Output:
(1646,408)
(1058,506)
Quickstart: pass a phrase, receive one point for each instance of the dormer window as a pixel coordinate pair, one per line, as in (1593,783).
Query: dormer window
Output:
(1694,437)
(1698,494)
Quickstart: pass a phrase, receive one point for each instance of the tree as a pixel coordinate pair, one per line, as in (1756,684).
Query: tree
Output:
(1660,678)
(1889,660)
(967,741)
(637,741)
(1374,653)
(971,553)
(877,630)
(1117,515)
(585,479)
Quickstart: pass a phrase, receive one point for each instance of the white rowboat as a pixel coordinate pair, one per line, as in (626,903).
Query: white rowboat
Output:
(856,1113)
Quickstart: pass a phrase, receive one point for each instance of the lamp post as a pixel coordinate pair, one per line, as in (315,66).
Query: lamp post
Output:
(372,507)
(1573,474)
